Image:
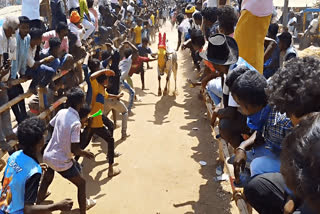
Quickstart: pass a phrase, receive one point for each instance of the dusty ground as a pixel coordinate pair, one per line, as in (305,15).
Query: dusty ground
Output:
(160,162)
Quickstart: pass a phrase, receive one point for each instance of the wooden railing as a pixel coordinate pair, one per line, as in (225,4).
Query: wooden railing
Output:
(224,156)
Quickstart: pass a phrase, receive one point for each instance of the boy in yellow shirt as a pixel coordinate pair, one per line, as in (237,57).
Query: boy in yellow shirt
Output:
(98,80)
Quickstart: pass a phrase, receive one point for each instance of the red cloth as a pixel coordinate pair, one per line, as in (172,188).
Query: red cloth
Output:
(137,65)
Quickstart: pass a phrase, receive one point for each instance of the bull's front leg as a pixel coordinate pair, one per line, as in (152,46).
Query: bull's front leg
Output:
(159,90)
(165,92)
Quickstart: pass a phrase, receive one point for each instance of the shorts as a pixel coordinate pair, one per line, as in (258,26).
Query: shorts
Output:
(74,171)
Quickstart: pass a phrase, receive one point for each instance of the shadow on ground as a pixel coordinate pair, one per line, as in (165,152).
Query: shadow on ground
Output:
(212,197)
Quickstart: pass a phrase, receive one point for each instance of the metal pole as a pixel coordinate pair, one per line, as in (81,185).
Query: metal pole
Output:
(285,13)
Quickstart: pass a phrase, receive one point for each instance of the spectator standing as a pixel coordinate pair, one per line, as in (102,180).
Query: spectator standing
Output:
(251,30)
(19,65)
(7,48)
(58,12)
(31,9)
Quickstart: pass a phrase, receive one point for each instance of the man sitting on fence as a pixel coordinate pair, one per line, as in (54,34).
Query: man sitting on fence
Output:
(60,32)
(113,56)
(39,71)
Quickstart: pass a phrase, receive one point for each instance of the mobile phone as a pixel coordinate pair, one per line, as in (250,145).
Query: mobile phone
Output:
(6,60)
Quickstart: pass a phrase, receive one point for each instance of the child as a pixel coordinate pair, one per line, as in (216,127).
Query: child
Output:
(23,173)
(247,89)
(65,142)
(40,73)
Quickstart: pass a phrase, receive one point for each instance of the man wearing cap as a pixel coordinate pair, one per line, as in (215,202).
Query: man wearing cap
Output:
(185,25)
(223,53)
(76,28)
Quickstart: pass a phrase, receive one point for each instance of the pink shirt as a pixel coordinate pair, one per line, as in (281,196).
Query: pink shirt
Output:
(260,8)
(96,16)
(51,34)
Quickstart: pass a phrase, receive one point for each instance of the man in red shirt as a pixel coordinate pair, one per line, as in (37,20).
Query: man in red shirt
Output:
(137,65)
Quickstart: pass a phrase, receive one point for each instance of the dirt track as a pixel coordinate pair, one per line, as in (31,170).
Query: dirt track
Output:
(160,162)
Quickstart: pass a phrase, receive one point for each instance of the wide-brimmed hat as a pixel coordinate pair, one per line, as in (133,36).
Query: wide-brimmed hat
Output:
(221,50)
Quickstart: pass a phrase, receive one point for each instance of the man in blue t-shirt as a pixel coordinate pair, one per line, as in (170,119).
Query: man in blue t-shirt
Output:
(23,172)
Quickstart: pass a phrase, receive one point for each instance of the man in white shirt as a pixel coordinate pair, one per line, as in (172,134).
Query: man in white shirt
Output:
(31,9)
(292,24)
(73,5)
(124,67)
(7,53)
(131,8)
(314,25)
(64,143)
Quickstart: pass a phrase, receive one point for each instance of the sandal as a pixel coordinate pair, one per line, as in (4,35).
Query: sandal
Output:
(90,203)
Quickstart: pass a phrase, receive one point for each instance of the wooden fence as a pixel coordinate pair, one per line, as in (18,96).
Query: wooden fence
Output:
(224,156)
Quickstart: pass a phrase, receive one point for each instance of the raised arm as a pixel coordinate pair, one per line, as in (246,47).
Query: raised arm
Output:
(95,75)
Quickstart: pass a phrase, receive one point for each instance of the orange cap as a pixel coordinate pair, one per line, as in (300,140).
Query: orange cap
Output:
(75,17)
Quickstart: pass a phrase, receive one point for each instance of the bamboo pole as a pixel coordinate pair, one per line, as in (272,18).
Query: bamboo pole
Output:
(224,156)
(285,13)
(14,101)
(54,106)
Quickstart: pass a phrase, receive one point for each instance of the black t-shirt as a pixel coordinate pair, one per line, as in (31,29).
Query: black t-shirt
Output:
(31,189)
(114,81)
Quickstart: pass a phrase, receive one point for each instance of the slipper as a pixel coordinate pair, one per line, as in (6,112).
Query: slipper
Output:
(90,203)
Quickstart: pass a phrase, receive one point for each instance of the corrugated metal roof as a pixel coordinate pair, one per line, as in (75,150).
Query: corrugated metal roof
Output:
(295,3)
